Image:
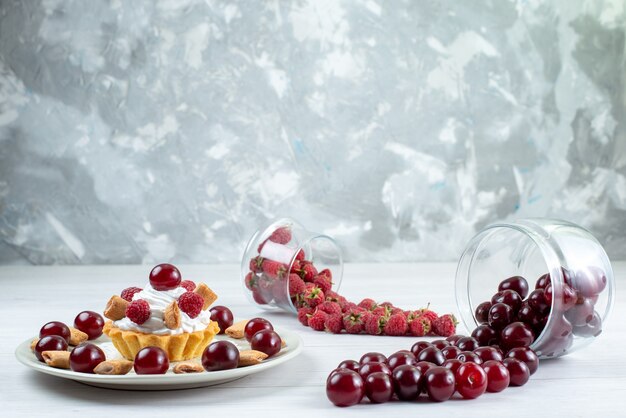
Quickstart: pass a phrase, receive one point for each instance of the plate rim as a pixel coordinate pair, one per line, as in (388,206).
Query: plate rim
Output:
(23,354)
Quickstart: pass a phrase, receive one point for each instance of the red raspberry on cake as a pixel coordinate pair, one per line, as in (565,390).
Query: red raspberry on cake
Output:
(189,285)
(191,303)
(138,311)
(128,293)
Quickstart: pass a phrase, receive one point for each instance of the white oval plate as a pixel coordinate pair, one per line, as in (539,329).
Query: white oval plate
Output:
(132,381)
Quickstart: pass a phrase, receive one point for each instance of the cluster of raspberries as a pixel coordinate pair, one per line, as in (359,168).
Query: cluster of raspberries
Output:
(322,309)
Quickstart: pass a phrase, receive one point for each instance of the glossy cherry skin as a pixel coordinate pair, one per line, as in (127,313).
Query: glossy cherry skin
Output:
(467,344)
(432,355)
(419,346)
(471,380)
(515,283)
(85,357)
(55,328)
(485,335)
(450,352)
(498,377)
(527,315)
(519,372)
(165,277)
(488,353)
(345,388)
(255,325)
(482,312)
(516,334)
(369,368)
(266,341)
(469,357)
(593,328)
(439,383)
(527,356)
(379,387)
(500,315)
(508,297)
(350,365)
(568,296)
(373,357)
(452,364)
(407,382)
(454,338)
(223,316)
(49,343)
(543,281)
(590,281)
(440,344)
(89,322)
(220,355)
(537,301)
(401,358)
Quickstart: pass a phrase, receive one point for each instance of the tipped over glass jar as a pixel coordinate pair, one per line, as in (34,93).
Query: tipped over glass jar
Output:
(553,278)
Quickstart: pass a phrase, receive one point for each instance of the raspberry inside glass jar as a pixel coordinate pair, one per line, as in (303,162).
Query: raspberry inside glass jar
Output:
(282,259)
(564,271)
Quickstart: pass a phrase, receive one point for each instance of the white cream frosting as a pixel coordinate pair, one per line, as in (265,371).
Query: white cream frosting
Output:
(158,301)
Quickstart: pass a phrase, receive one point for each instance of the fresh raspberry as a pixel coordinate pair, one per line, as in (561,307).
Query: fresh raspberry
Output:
(427,313)
(388,305)
(374,324)
(308,272)
(128,293)
(349,306)
(331,308)
(138,311)
(274,269)
(256,264)
(260,247)
(353,321)
(303,315)
(397,311)
(191,303)
(368,304)
(296,285)
(296,266)
(189,285)
(317,320)
(323,282)
(419,326)
(334,323)
(396,325)
(300,255)
(445,325)
(265,283)
(313,295)
(327,273)
(381,311)
(281,235)
(251,280)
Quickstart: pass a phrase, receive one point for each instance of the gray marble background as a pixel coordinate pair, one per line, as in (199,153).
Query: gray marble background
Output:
(146,131)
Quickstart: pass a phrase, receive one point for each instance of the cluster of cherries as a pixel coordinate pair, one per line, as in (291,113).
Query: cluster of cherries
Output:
(438,369)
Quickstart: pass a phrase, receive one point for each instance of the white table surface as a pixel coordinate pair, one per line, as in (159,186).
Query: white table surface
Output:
(590,382)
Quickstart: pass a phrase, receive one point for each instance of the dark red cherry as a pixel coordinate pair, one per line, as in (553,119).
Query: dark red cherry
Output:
(453,364)
(469,357)
(498,377)
(401,358)
(482,312)
(49,343)
(220,355)
(419,346)
(407,382)
(369,368)
(350,365)
(378,387)
(527,315)
(471,380)
(440,344)
(488,353)
(568,297)
(515,283)
(516,334)
(55,328)
(450,352)
(266,341)
(454,338)
(508,297)
(500,315)
(223,316)
(518,371)
(345,388)
(89,322)
(85,357)
(432,355)
(543,281)
(526,355)
(537,301)
(165,277)
(467,344)
(439,383)
(373,357)
(255,325)
(485,335)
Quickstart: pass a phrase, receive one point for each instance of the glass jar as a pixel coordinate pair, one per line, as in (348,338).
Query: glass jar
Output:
(569,276)
(283,248)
